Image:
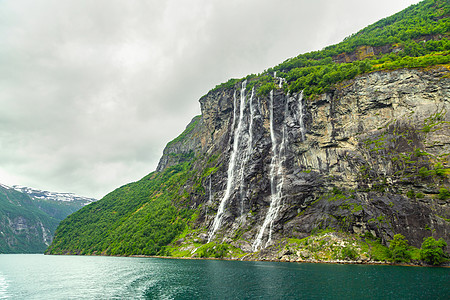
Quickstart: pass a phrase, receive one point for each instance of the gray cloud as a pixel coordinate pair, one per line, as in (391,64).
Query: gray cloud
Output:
(91,91)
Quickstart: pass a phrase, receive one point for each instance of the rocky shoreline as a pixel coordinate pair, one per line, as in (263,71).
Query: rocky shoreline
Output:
(313,261)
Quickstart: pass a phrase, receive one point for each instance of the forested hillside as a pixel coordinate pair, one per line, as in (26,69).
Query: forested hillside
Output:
(415,37)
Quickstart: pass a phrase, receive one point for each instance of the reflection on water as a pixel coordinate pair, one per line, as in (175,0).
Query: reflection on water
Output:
(81,277)
(3,286)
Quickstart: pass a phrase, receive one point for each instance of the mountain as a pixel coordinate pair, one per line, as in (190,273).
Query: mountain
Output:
(326,156)
(24,228)
(29,217)
(57,205)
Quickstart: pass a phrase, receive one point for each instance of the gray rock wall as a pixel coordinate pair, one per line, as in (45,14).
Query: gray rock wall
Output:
(369,157)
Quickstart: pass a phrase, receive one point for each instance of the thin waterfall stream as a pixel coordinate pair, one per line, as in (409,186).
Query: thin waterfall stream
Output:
(241,152)
(301,115)
(277,168)
(248,152)
(238,158)
(276,179)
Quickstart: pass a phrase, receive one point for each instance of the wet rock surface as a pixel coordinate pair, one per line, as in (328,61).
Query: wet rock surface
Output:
(370,156)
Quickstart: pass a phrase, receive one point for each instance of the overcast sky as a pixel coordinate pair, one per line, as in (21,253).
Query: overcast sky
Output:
(92,90)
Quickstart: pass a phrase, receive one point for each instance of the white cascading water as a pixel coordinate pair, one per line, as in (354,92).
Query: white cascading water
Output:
(281,80)
(237,160)
(276,178)
(240,155)
(277,167)
(280,168)
(210,190)
(210,196)
(300,115)
(248,151)
(234,116)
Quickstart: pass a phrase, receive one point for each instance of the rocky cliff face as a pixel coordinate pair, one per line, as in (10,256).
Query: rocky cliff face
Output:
(370,157)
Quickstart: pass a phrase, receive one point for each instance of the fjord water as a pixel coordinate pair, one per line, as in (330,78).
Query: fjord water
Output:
(25,276)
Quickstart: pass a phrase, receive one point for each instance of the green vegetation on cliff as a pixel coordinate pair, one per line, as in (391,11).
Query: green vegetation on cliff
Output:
(188,130)
(138,218)
(413,38)
(433,252)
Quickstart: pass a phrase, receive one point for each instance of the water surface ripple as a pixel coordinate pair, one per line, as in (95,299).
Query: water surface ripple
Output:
(25,276)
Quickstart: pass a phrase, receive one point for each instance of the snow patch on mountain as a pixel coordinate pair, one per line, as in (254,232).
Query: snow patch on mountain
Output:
(5,186)
(54,196)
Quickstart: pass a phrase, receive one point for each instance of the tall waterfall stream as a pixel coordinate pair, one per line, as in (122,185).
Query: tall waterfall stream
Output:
(242,126)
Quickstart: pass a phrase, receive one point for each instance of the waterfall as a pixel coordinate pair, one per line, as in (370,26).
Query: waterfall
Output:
(280,176)
(248,152)
(237,159)
(241,152)
(281,79)
(234,116)
(210,190)
(210,196)
(276,177)
(300,115)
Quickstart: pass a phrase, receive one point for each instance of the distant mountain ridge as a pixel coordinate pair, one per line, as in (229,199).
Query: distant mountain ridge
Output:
(29,217)
(54,196)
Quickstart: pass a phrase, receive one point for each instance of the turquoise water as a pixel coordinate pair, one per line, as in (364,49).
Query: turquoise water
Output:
(26,276)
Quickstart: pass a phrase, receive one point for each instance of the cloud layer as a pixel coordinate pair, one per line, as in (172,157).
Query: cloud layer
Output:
(91,91)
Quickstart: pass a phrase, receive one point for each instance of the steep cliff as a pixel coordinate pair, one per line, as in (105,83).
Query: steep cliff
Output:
(357,149)
(369,157)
